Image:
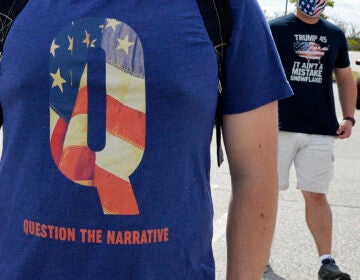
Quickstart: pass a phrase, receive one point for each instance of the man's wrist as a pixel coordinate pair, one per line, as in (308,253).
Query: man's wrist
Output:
(351,119)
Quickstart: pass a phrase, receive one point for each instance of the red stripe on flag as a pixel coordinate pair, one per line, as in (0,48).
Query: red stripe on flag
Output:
(125,123)
(116,195)
(57,139)
(77,163)
(121,120)
(81,104)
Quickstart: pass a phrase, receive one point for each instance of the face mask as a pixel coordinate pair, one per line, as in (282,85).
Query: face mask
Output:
(312,8)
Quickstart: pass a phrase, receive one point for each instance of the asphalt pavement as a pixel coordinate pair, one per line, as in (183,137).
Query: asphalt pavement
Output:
(294,255)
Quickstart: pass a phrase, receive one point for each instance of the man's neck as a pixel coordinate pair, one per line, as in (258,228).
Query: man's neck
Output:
(306,19)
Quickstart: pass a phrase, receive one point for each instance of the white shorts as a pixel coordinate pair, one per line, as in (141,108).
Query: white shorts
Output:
(313,158)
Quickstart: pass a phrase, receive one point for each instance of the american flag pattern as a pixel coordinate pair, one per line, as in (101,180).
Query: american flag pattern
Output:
(310,50)
(312,8)
(109,169)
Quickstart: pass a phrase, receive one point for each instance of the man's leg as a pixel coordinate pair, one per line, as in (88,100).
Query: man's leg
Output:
(314,169)
(319,220)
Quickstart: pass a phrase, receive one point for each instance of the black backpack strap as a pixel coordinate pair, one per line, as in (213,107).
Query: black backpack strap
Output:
(218,22)
(9,9)
(1,117)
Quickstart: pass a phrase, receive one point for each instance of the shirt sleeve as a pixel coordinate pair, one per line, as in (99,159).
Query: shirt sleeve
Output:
(342,59)
(254,74)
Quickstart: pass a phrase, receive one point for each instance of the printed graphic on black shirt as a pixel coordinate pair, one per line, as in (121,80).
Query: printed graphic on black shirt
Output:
(310,49)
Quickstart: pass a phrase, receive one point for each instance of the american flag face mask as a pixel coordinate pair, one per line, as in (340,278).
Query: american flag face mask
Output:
(312,8)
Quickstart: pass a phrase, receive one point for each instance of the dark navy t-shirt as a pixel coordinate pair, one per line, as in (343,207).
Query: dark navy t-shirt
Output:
(109,111)
(309,54)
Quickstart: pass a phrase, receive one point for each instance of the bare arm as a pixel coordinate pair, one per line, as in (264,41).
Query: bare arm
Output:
(251,145)
(347,96)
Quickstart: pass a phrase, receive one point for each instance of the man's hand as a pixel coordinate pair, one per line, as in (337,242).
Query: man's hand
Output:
(344,130)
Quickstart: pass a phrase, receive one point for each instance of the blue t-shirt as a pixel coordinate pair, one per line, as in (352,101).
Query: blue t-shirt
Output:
(109,110)
(309,53)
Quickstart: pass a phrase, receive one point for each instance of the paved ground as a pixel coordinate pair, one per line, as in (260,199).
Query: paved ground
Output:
(293,253)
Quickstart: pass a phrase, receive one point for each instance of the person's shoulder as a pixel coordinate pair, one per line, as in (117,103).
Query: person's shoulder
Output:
(282,21)
(331,26)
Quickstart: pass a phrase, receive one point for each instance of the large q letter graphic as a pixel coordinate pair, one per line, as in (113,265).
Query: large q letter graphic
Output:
(97,108)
